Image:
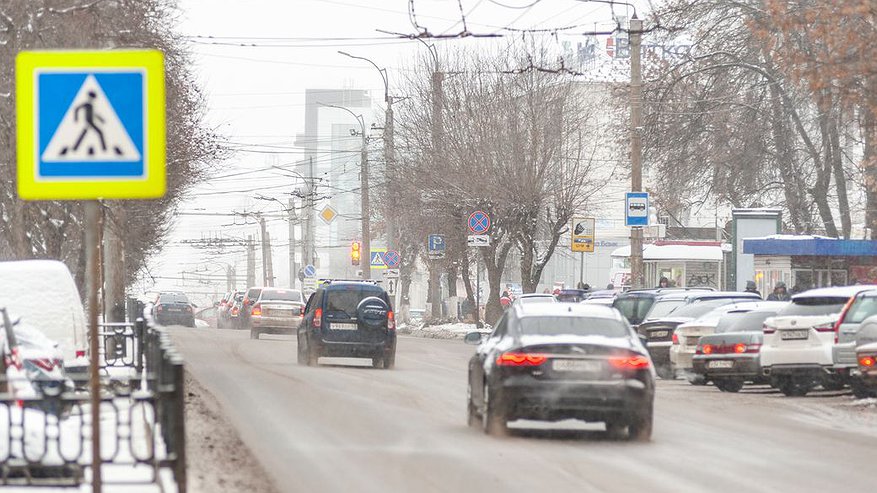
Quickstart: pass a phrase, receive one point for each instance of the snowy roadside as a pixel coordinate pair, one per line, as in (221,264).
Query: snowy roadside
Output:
(441,331)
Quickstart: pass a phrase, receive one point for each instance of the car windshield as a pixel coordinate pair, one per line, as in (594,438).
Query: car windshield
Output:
(342,301)
(662,308)
(173,298)
(810,306)
(861,309)
(580,326)
(281,295)
(700,308)
(634,308)
(743,321)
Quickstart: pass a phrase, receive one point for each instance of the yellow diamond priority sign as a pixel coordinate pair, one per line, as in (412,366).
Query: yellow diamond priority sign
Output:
(328,214)
(91,124)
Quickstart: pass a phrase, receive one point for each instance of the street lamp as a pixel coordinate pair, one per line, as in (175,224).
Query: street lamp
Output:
(389,154)
(366,243)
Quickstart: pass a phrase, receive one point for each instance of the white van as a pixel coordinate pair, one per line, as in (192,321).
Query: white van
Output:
(43,295)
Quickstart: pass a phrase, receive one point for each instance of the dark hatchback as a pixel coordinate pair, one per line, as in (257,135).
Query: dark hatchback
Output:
(635,305)
(555,361)
(173,309)
(730,357)
(348,319)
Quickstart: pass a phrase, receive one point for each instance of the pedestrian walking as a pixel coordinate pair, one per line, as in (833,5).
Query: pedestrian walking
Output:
(752,288)
(779,293)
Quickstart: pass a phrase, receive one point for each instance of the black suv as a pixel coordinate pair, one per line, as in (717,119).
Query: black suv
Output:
(348,319)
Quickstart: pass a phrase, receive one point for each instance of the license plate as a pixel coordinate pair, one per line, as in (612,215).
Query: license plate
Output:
(577,365)
(720,364)
(174,309)
(658,333)
(790,335)
(692,341)
(342,326)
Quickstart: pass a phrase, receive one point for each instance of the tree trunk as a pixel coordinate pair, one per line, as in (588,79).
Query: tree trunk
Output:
(494,263)
(467,281)
(840,180)
(793,187)
(451,272)
(869,166)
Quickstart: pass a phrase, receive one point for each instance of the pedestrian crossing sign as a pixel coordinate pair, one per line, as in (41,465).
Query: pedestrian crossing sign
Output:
(91,124)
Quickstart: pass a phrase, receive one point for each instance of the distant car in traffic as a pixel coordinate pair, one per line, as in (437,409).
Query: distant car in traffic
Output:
(636,304)
(658,332)
(572,295)
(797,353)
(173,308)
(277,311)
(553,362)
(250,297)
(348,319)
(208,316)
(730,357)
(847,333)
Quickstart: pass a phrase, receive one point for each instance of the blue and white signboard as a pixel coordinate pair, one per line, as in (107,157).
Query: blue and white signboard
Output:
(310,271)
(636,209)
(436,246)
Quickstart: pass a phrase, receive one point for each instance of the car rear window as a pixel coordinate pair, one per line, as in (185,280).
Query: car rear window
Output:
(580,326)
(743,322)
(173,298)
(342,301)
(281,295)
(822,305)
(861,309)
(662,308)
(538,299)
(634,308)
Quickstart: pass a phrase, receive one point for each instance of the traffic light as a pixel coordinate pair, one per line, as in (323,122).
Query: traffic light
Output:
(354,253)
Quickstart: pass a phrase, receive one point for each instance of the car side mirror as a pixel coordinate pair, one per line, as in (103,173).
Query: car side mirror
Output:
(473,338)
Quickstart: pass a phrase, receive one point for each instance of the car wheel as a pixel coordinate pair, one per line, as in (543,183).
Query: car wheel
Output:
(640,429)
(493,418)
(254,334)
(729,385)
(473,419)
(666,372)
(860,390)
(695,379)
(378,362)
(795,388)
(833,383)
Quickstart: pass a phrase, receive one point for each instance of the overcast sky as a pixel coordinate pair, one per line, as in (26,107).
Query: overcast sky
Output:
(255,58)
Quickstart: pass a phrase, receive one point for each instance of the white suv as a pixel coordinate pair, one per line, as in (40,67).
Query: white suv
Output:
(797,350)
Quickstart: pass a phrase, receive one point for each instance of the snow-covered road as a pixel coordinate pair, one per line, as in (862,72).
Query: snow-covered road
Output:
(346,428)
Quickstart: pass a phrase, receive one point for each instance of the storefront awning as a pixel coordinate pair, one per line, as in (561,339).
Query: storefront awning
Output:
(706,253)
(809,245)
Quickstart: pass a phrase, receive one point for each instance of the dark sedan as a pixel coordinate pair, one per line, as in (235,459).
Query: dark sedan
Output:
(173,309)
(556,361)
(730,357)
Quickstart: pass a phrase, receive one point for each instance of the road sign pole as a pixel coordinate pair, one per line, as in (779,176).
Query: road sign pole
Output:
(636,233)
(92,222)
(477,291)
(582,269)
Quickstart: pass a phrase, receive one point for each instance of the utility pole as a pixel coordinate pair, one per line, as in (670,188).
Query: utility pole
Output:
(435,287)
(230,278)
(293,271)
(366,225)
(269,263)
(390,173)
(251,262)
(307,243)
(264,252)
(114,267)
(636,166)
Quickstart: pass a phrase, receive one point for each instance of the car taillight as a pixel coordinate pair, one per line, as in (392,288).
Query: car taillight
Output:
(675,338)
(739,348)
(80,353)
(520,359)
(629,362)
(234,311)
(44,363)
(318,318)
(866,361)
(707,349)
(256,311)
(391,320)
(829,327)
(768,329)
(843,315)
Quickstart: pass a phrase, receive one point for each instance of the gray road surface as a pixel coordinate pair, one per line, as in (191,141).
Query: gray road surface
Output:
(344,428)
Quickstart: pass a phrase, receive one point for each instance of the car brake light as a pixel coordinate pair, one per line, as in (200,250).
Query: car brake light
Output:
(391,320)
(80,353)
(707,349)
(520,359)
(629,362)
(256,311)
(829,327)
(768,329)
(318,318)
(866,361)
(843,315)
(675,338)
(739,348)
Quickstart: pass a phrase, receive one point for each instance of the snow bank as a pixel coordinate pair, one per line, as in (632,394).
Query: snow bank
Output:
(442,331)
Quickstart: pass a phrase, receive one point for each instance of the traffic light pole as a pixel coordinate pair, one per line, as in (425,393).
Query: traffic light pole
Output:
(636,167)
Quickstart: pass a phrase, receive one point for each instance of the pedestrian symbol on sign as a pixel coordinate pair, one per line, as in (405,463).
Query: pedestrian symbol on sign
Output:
(90,130)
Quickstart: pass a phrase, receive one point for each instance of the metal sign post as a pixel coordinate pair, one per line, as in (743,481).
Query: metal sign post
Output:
(92,224)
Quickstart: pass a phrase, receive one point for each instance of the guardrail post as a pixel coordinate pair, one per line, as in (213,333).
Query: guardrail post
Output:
(179,428)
